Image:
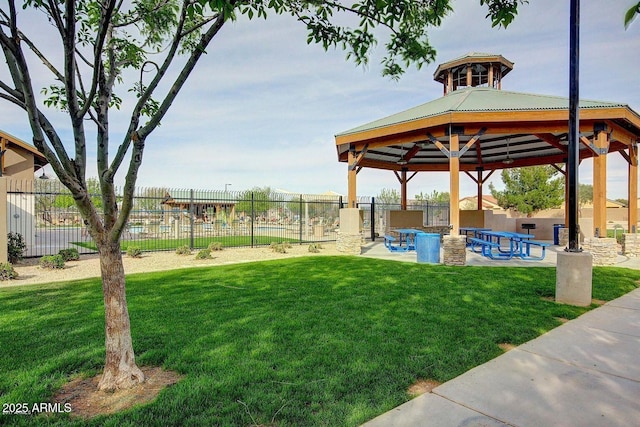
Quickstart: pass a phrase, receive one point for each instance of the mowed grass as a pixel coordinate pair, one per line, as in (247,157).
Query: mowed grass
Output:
(331,341)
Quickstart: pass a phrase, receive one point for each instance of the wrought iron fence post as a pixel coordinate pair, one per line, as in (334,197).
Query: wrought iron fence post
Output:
(300,218)
(253,218)
(191,223)
(372,219)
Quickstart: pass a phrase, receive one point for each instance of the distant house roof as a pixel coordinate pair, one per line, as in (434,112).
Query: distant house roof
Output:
(8,140)
(488,202)
(183,197)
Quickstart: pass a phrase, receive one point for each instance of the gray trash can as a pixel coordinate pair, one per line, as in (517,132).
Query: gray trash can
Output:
(428,247)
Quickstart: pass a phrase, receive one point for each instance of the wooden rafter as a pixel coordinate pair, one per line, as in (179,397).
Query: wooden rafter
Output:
(552,140)
(401,180)
(358,158)
(439,144)
(472,141)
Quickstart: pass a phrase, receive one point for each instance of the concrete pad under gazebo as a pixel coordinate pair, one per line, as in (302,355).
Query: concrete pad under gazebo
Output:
(477,128)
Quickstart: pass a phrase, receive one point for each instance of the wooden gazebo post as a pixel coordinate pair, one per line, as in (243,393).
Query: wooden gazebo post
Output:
(454,183)
(633,189)
(351,177)
(601,142)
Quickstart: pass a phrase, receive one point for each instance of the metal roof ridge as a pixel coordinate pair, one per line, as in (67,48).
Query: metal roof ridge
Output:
(542,95)
(465,95)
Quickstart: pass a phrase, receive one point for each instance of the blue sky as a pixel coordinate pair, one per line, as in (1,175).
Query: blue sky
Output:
(262,107)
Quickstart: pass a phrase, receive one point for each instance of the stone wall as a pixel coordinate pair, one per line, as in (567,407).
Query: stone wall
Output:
(631,245)
(454,249)
(349,243)
(604,250)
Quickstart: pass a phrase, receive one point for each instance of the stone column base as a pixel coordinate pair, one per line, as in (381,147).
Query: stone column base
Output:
(574,278)
(563,237)
(604,250)
(631,245)
(349,243)
(454,250)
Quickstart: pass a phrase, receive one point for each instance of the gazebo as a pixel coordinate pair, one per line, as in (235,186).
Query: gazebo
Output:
(476,128)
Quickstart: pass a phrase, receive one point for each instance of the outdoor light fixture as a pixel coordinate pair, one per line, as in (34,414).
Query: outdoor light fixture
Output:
(508,160)
(43,176)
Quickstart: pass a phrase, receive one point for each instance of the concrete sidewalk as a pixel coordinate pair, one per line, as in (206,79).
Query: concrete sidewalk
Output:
(583,373)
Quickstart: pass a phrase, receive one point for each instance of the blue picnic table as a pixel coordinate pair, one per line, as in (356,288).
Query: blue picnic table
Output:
(406,239)
(506,245)
(472,232)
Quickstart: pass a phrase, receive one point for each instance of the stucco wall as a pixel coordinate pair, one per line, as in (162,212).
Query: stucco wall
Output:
(18,163)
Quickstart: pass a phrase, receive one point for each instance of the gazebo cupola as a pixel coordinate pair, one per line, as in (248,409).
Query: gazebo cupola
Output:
(472,70)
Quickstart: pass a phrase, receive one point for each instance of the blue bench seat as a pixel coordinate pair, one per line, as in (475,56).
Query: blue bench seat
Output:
(388,243)
(525,252)
(486,247)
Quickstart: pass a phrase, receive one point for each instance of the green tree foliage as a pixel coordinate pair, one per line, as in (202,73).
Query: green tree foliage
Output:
(529,190)
(388,196)
(150,199)
(256,200)
(435,197)
(585,194)
(64,200)
(631,15)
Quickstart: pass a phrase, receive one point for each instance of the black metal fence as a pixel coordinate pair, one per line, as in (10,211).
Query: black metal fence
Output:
(162,219)
(375,214)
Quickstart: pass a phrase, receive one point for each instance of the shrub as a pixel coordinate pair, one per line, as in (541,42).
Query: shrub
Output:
(183,250)
(280,248)
(215,246)
(15,247)
(52,262)
(70,254)
(315,247)
(7,272)
(204,254)
(134,252)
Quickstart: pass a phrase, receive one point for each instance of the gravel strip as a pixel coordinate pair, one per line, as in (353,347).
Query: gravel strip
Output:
(29,273)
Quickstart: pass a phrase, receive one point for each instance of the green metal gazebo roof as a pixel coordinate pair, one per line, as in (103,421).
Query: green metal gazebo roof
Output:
(479,99)
(504,128)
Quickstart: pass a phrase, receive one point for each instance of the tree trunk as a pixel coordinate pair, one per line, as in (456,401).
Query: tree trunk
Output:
(120,370)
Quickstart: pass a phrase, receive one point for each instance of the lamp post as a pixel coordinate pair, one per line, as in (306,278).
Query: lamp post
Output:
(574,126)
(574,268)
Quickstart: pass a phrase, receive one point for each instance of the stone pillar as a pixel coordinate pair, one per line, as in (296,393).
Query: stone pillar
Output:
(349,238)
(574,272)
(454,250)
(604,251)
(631,245)
(563,237)
(4,255)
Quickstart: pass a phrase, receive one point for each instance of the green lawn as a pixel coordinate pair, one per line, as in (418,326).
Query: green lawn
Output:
(331,341)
